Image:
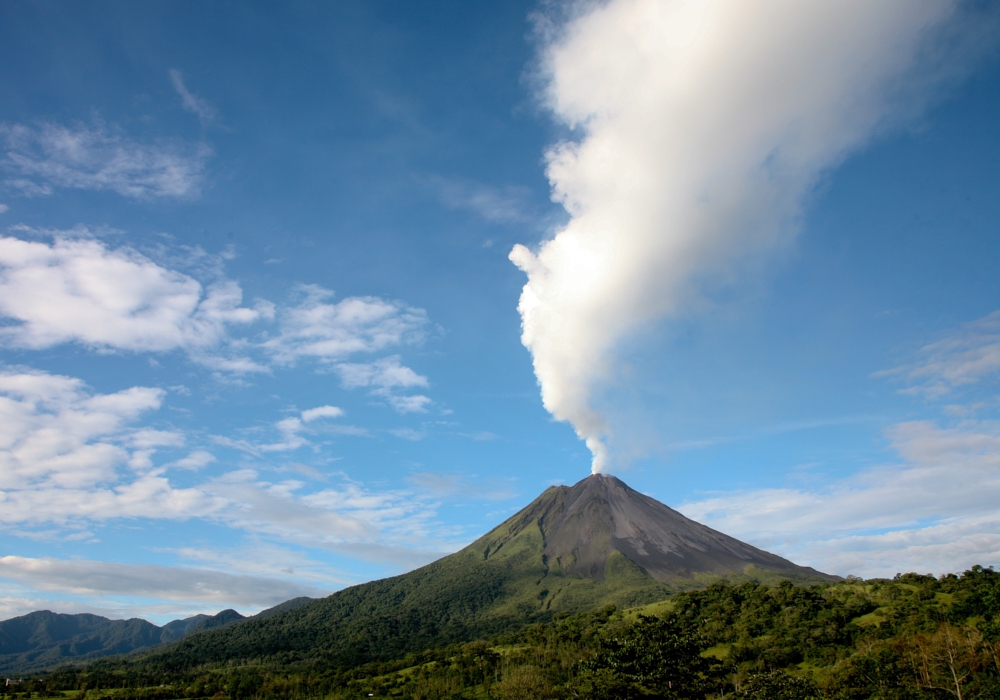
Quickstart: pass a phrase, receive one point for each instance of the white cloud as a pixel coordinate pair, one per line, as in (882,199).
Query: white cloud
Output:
(3,208)
(146,438)
(330,332)
(196,105)
(98,158)
(961,358)
(312,414)
(77,289)
(53,432)
(291,430)
(97,578)
(703,126)
(410,404)
(291,439)
(384,377)
(62,449)
(945,490)
(195,460)
(386,373)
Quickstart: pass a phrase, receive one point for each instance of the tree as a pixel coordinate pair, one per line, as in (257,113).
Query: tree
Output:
(776,685)
(948,659)
(654,658)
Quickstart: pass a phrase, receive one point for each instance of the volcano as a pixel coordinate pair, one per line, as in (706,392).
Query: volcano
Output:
(573,549)
(583,526)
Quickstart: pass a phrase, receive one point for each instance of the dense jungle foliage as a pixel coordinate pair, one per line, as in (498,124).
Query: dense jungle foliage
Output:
(910,638)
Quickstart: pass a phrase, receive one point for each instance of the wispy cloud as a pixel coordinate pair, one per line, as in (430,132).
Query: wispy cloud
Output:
(46,156)
(499,205)
(292,431)
(317,328)
(945,485)
(97,578)
(385,377)
(198,106)
(464,486)
(417,403)
(257,557)
(963,357)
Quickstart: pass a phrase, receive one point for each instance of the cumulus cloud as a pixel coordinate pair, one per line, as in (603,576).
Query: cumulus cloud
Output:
(318,328)
(702,126)
(78,289)
(192,103)
(943,492)
(97,578)
(54,432)
(62,450)
(963,357)
(46,156)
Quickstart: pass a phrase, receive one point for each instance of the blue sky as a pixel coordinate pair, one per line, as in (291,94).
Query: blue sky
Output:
(260,329)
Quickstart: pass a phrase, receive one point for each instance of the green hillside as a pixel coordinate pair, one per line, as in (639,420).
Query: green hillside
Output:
(911,638)
(45,639)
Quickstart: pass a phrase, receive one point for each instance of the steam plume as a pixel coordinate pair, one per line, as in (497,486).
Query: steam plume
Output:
(702,125)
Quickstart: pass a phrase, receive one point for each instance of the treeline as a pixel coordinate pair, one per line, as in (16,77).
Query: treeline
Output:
(910,638)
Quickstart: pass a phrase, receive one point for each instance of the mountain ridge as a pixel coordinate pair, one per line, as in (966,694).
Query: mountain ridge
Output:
(43,639)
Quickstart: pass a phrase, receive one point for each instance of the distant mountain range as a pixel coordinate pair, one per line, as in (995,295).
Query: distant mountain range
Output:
(573,549)
(44,639)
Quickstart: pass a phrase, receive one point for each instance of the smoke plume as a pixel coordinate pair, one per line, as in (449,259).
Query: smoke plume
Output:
(699,128)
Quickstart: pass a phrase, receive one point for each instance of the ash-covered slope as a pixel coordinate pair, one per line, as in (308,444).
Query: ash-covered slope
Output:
(584,524)
(572,549)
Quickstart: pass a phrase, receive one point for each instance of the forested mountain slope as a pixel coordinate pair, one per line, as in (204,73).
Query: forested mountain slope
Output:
(44,639)
(911,638)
